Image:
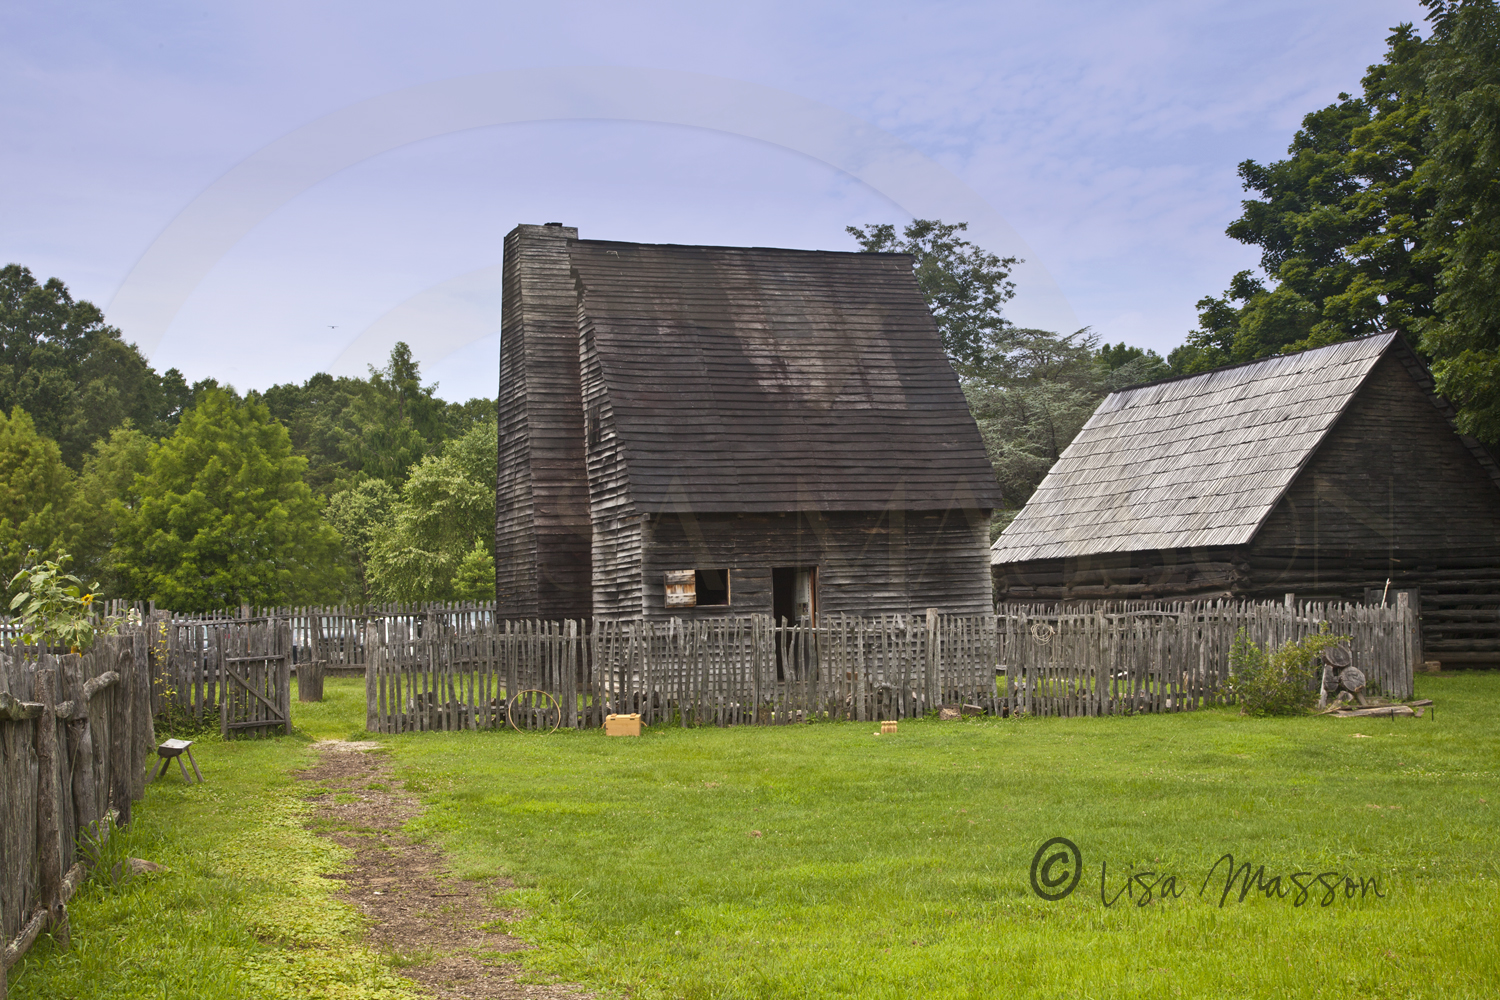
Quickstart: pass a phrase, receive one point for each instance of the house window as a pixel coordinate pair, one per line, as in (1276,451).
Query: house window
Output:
(697,588)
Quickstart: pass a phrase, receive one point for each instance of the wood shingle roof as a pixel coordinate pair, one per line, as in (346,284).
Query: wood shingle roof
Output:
(1198,461)
(764,380)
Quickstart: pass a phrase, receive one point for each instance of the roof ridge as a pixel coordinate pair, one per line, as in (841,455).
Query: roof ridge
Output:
(1393,334)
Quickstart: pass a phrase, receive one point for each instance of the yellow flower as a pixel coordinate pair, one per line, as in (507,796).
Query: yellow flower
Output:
(88,599)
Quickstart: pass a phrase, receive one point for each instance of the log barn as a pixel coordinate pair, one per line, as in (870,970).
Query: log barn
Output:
(708,431)
(1334,473)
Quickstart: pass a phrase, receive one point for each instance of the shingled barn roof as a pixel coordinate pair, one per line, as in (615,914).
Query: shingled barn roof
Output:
(762,380)
(1196,461)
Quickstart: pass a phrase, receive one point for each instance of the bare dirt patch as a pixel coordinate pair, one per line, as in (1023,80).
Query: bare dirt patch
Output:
(430,921)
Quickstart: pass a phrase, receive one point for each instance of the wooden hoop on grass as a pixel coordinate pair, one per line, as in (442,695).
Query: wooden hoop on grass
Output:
(556,709)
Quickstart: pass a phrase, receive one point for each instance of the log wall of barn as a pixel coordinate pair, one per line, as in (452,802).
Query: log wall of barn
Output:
(1394,493)
(542,529)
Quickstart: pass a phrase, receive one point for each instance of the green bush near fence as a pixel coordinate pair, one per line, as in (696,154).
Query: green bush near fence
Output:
(1277,681)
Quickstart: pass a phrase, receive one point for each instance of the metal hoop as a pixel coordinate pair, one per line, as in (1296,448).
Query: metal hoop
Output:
(556,707)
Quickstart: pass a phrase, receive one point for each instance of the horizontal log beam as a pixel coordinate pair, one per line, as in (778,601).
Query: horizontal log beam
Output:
(13,710)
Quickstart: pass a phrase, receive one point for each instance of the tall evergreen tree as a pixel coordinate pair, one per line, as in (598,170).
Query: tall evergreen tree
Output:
(224,518)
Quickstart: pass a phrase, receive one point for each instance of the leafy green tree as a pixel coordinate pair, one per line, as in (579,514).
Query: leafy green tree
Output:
(475,577)
(36,494)
(964,285)
(74,374)
(446,512)
(358,513)
(1463,230)
(318,417)
(1339,223)
(351,429)
(223,517)
(108,484)
(1030,403)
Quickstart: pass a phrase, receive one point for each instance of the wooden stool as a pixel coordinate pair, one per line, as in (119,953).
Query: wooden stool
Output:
(173,750)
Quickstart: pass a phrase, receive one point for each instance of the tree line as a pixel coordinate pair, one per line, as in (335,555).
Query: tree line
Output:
(198,497)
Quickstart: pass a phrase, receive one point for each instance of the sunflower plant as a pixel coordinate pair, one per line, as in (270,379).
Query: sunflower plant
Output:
(54,606)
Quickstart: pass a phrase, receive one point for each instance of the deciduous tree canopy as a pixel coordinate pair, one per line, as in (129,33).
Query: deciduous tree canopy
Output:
(71,372)
(1384,216)
(964,285)
(36,492)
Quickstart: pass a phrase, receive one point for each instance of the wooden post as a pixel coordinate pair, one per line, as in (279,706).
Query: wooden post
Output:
(122,698)
(142,728)
(931,695)
(48,825)
(372,668)
(310,680)
(81,743)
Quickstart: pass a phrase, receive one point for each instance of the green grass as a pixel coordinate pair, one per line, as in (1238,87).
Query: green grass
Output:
(339,716)
(886,866)
(897,866)
(242,913)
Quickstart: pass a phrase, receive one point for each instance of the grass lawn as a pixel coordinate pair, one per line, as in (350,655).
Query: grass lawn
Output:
(884,866)
(242,912)
(824,861)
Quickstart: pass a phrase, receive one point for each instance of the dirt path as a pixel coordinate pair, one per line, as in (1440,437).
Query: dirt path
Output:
(431,920)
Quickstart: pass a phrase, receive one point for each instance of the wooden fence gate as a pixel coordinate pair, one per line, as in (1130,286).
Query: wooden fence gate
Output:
(256,659)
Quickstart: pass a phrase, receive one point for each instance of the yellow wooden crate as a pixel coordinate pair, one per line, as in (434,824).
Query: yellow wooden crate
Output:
(623,725)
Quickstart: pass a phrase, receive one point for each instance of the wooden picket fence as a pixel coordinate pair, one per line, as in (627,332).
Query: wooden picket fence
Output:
(235,669)
(335,636)
(1090,659)
(75,738)
(1103,658)
(719,671)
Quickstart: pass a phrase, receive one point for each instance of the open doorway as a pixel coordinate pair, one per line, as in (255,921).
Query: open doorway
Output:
(794,594)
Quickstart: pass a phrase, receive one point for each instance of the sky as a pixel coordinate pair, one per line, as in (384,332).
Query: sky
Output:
(256,192)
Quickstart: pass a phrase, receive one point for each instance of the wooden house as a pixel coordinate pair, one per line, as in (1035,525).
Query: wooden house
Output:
(690,430)
(1334,473)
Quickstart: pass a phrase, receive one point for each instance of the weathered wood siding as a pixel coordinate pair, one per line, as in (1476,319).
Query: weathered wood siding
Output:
(616,522)
(542,534)
(869,562)
(1390,493)
(1202,573)
(1393,493)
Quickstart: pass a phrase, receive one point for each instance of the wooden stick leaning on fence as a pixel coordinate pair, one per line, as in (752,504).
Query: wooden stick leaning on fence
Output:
(69,884)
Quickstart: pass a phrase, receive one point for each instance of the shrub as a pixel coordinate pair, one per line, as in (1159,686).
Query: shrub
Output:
(1280,682)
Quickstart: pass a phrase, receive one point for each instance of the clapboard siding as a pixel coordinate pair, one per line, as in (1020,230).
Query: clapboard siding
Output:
(542,530)
(617,536)
(869,562)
